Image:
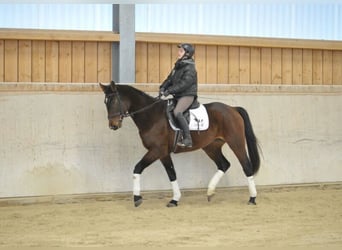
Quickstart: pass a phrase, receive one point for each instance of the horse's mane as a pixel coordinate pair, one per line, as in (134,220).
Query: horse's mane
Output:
(141,101)
(135,91)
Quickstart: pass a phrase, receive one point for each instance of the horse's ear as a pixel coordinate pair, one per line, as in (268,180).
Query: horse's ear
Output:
(113,86)
(103,87)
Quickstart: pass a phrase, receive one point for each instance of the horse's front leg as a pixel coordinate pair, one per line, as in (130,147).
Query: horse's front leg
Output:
(147,160)
(171,173)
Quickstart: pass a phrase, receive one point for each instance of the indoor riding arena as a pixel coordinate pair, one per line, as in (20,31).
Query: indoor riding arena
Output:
(66,178)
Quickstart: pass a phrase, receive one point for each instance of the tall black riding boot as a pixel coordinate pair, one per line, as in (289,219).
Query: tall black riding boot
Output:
(183,124)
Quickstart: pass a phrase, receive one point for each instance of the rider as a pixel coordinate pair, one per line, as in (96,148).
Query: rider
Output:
(182,84)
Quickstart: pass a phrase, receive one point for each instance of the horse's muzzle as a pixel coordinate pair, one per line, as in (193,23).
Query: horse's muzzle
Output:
(114,125)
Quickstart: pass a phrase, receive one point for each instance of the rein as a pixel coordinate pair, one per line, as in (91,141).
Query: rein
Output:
(123,113)
(144,108)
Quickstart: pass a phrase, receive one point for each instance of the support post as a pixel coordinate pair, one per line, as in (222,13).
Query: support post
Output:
(123,54)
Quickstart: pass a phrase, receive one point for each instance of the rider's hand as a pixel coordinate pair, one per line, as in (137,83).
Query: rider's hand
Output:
(166,93)
(161,92)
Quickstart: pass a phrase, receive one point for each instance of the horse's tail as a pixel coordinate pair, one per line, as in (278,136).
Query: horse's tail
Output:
(252,142)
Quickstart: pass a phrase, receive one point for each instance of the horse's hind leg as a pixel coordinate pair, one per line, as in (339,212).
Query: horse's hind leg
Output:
(214,151)
(241,153)
(171,173)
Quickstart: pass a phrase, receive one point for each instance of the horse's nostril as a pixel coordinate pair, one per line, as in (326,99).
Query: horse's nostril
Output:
(113,127)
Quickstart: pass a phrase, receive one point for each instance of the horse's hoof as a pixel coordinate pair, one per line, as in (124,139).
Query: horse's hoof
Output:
(172,203)
(137,200)
(251,201)
(210,197)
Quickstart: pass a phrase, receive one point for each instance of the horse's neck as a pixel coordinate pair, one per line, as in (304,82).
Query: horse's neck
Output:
(138,102)
(144,111)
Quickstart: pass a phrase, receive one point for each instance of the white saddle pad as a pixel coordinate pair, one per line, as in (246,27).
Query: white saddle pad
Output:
(199,119)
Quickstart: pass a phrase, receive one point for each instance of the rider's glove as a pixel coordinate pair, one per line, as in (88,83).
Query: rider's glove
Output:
(166,93)
(161,91)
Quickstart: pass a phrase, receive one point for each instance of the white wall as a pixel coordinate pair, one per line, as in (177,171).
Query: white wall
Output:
(59,143)
(281,19)
(303,19)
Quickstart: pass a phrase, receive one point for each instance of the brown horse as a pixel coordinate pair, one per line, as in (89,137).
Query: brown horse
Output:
(228,124)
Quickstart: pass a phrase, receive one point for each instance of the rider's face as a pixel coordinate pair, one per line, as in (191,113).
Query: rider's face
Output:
(181,53)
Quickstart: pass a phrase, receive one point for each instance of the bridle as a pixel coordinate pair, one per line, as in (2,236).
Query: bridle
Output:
(121,113)
(124,112)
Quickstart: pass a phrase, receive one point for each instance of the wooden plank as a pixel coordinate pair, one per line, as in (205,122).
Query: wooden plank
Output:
(165,61)
(2,60)
(286,66)
(238,41)
(24,67)
(141,62)
(327,67)
(153,62)
(307,66)
(38,61)
(104,67)
(222,64)
(201,62)
(11,61)
(266,65)
(90,58)
(211,69)
(255,65)
(108,36)
(64,73)
(59,35)
(276,66)
(337,66)
(317,67)
(174,53)
(234,64)
(245,65)
(77,62)
(297,66)
(51,67)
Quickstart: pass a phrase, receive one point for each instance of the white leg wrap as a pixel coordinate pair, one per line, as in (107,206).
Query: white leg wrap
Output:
(176,191)
(214,181)
(251,186)
(136,184)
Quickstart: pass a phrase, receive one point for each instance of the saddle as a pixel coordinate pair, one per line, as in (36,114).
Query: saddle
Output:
(196,116)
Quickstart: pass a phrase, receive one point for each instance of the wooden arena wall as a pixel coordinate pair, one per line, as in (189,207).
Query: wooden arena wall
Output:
(85,57)
(55,56)
(53,75)
(237,60)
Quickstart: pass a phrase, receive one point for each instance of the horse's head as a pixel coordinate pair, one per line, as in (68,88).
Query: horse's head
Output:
(115,107)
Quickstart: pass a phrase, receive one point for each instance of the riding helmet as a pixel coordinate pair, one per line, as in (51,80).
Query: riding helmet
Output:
(188,48)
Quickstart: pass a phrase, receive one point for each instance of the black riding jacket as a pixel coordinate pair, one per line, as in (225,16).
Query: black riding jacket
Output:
(182,81)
